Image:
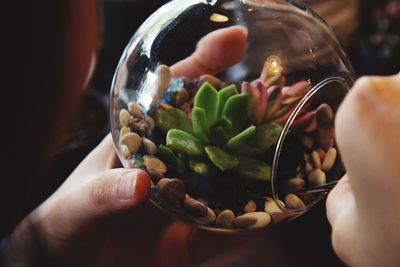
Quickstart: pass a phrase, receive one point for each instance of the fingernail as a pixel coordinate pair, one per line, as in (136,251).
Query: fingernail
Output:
(126,185)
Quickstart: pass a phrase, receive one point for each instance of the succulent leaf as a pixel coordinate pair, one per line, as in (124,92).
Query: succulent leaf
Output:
(180,141)
(303,122)
(253,169)
(207,98)
(290,100)
(224,94)
(282,115)
(236,109)
(202,166)
(221,158)
(219,135)
(224,122)
(298,89)
(254,98)
(259,110)
(199,167)
(239,143)
(267,135)
(173,161)
(172,118)
(274,102)
(264,138)
(199,124)
(277,79)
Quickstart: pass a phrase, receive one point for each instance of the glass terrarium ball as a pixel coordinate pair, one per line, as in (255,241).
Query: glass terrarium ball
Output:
(229,106)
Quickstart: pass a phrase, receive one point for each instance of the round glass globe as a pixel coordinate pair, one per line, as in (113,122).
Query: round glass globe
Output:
(229,105)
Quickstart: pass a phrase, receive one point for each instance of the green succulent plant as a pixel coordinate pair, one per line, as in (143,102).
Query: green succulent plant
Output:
(220,135)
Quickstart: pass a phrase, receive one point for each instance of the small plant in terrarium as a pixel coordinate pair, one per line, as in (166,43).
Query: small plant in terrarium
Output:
(230,129)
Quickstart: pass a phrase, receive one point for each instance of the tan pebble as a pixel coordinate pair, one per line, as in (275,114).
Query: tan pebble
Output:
(294,184)
(181,96)
(225,219)
(162,181)
(198,211)
(307,141)
(252,220)
(279,217)
(153,163)
(321,153)
(144,128)
(150,122)
(191,100)
(251,206)
(124,117)
(317,177)
(243,222)
(308,165)
(298,168)
(309,168)
(315,159)
(149,146)
(166,106)
(294,202)
(133,141)
(155,176)
(125,152)
(135,125)
(163,80)
(312,126)
(195,208)
(172,190)
(214,81)
(124,130)
(206,220)
(299,172)
(186,108)
(329,159)
(326,137)
(135,110)
(324,114)
(271,207)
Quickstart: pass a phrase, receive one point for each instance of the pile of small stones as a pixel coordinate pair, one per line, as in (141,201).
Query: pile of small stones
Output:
(173,192)
(134,132)
(319,159)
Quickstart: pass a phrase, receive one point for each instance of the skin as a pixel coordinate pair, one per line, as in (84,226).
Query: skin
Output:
(363,207)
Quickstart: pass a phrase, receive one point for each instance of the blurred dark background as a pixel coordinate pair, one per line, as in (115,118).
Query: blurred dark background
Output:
(373,49)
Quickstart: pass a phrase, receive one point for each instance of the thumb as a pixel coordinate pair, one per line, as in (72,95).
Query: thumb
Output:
(339,199)
(68,213)
(342,215)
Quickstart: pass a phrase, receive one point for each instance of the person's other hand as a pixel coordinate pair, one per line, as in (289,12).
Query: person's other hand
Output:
(101,217)
(364,208)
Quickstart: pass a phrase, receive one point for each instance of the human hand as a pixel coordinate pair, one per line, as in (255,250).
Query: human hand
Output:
(100,216)
(363,208)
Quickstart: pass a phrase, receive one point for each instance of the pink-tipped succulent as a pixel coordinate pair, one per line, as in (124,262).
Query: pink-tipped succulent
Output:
(273,101)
